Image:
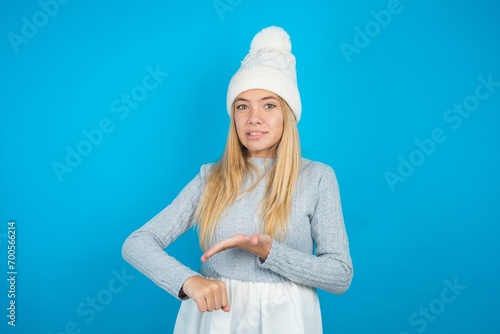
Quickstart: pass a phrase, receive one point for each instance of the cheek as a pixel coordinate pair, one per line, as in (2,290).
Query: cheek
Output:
(277,124)
(239,126)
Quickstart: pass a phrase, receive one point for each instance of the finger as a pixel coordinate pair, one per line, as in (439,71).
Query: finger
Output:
(210,302)
(211,252)
(225,300)
(202,304)
(219,247)
(217,293)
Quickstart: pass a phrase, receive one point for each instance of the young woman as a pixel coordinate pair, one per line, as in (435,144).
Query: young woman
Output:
(260,211)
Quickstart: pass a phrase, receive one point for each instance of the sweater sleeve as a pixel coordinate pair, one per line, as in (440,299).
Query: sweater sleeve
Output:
(144,248)
(331,268)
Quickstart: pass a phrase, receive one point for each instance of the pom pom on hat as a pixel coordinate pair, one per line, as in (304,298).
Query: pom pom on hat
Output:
(274,38)
(270,66)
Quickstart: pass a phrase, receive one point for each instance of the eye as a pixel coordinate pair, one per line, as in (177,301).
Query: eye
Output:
(241,107)
(269,106)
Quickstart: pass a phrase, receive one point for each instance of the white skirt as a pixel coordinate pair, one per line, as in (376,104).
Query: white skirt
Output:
(256,308)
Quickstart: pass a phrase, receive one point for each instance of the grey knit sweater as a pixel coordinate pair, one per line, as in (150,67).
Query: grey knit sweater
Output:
(316,218)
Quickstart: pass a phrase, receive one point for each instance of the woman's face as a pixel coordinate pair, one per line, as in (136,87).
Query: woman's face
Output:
(259,121)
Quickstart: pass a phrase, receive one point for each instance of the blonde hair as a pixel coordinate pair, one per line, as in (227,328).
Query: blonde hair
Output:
(225,180)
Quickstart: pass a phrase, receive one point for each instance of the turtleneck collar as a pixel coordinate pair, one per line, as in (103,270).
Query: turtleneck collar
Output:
(262,164)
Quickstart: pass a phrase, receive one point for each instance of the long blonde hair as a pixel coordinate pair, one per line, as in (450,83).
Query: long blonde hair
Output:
(225,180)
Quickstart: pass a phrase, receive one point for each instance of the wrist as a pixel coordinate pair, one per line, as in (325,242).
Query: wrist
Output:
(182,295)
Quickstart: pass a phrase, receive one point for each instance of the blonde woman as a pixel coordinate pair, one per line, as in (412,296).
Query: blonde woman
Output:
(260,211)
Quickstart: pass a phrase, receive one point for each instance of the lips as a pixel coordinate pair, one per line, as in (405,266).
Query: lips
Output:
(255,134)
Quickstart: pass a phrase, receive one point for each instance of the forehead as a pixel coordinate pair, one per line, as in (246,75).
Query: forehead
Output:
(256,94)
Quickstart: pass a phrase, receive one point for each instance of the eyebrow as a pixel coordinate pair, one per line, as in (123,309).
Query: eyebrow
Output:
(262,99)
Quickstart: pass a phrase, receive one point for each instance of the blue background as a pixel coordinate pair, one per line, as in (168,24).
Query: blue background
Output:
(436,226)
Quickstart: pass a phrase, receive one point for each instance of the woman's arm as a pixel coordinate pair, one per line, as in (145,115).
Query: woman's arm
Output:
(331,268)
(144,248)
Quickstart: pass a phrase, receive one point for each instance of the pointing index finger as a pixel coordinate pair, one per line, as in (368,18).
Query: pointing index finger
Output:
(218,247)
(222,246)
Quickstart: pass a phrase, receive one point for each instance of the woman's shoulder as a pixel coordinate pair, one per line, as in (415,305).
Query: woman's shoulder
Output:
(205,170)
(315,173)
(315,167)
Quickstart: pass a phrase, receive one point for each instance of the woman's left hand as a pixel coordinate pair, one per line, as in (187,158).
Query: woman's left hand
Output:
(259,244)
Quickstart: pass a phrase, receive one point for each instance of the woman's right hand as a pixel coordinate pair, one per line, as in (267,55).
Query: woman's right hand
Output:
(208,294)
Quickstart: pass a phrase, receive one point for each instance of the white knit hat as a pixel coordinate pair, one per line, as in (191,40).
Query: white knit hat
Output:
(270,66)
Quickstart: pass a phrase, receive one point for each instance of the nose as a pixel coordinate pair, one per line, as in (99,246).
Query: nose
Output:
(254,116)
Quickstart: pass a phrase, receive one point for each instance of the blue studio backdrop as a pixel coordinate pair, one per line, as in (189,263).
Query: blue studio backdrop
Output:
(109,108)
